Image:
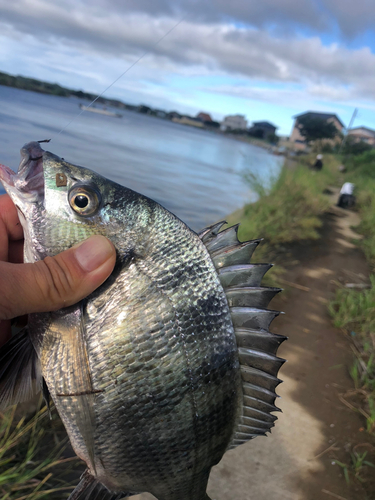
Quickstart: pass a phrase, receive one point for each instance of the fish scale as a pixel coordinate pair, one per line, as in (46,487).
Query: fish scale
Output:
(164,367)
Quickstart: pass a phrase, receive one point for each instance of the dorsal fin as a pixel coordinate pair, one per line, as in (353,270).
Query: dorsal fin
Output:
(257,346)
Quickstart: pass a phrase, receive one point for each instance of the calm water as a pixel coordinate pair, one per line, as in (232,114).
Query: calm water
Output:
(194,173)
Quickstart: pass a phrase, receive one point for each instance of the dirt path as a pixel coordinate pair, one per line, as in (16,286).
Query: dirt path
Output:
(316,427)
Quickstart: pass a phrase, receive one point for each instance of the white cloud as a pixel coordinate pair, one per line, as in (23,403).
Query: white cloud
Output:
(253,53)
(87,44)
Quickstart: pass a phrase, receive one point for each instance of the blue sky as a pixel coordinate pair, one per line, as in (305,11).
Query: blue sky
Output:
(266,60)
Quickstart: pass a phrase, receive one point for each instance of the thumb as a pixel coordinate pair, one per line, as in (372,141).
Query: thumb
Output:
(55,282)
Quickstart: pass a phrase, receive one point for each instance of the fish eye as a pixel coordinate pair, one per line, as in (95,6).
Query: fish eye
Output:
(84,200)
(81,200)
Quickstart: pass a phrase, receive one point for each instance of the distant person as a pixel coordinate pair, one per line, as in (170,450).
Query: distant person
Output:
(318,165)
(346,198)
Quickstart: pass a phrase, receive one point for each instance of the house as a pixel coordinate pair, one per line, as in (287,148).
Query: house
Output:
(262,130)
(144,109)
(160,113)
(362,134)
(212,125)
(204,117)
(299,141)
(173,114)
(234,122)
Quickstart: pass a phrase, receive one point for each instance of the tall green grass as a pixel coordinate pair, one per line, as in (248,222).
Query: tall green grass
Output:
(354,310)
(290,211)
(31,463)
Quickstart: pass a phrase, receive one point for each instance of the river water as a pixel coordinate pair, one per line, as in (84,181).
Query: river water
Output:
(193,173)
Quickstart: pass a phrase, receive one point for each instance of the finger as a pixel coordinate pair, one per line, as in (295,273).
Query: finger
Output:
(15,252)
(55,282)
(9,218)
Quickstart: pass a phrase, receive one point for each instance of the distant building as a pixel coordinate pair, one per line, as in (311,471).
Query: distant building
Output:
(212,125)
(234,122)
(263,130)
(299,141)
(204,117)
(144,109)
(362,134)
(160,113)
(173,114)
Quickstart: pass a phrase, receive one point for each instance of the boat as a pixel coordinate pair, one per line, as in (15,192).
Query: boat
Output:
(100,111)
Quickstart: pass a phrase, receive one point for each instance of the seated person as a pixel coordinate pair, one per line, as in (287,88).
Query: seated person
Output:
(346,198)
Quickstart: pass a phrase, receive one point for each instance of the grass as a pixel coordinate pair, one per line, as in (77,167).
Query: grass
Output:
(288,212)
(30,468)
(352,310)
(357,466)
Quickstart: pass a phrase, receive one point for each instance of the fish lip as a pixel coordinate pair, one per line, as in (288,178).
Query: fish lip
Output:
(29,179)
(6,175)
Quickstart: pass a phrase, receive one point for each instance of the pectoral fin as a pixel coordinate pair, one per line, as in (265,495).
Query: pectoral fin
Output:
(67,371)
(20,374)
(91,489)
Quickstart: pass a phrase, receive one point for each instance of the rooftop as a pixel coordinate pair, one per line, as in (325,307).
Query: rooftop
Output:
(324,116)
(264,124)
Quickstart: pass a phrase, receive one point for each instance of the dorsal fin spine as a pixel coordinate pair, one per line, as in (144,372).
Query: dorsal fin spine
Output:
(257,346)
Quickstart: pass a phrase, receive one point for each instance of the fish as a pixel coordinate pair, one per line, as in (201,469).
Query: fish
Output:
(166,366)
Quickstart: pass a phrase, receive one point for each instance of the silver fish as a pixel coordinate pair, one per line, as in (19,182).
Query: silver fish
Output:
(166,365)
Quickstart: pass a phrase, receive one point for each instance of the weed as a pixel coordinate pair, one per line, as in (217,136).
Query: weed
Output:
(355,310)
(289,211)
(356,468)
(345,470)
(23,474)
(358,462)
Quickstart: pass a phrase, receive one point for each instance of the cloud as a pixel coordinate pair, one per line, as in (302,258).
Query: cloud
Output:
(250,52)
(248,12)
(269,51)
(352,17)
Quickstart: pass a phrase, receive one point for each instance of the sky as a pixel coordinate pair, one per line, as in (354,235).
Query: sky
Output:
(265,59)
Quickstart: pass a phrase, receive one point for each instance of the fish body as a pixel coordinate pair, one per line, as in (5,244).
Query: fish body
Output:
(167,364)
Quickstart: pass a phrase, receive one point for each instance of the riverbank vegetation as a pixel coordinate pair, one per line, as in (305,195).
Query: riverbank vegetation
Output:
(290,210)
(32,466)
(354,310)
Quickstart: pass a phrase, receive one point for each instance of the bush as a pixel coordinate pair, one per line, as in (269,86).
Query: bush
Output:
(290,210)
(352,147)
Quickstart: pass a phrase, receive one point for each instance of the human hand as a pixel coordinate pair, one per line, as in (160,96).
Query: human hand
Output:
(49,284)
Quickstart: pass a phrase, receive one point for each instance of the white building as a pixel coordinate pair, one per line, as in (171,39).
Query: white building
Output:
(234,122)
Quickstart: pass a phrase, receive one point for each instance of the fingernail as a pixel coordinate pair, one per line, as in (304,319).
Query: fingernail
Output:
(93,252)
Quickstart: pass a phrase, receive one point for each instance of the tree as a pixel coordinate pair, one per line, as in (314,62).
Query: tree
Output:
(314,128)
(353,147)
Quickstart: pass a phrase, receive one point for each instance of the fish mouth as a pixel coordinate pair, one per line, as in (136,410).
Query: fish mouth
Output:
(29,179)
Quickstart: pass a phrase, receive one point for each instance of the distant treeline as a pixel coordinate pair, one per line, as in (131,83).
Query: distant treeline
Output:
(21,82)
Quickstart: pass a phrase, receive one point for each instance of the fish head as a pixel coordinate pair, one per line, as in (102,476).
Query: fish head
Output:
(60,204)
